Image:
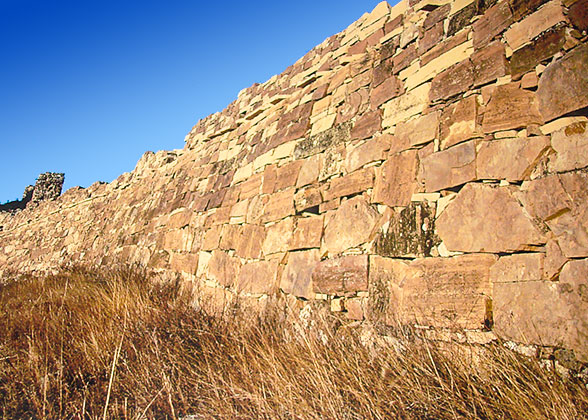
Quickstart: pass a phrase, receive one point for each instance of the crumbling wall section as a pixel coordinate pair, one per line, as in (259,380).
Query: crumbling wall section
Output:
(427,165)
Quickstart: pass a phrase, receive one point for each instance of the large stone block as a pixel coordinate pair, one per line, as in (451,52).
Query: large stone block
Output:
(510,108)
(484,218)
(356,182)
(494,21)
(370,151)
(390,88)
(396,181)
(571,147)
(411,232)
(459,122)
(517,268)
(511,159)
(455,80)
(544,47)
(449,168)
(258,277)
(279,206)
(278,236)
(223,268)
(489,63)
(351,225)
(297,276)
(322,141)
(341,276)
(420,130)
(308,233)
(547,313)
(406,105)
(524,31)
(440,292)
(563,86)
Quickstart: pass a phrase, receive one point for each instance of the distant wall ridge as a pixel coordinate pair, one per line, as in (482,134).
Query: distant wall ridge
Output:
(427,165)
(47,187)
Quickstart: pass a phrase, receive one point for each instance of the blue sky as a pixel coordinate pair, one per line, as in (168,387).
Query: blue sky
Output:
(86,87)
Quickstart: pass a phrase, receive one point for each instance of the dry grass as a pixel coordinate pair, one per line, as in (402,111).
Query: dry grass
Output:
(115,344)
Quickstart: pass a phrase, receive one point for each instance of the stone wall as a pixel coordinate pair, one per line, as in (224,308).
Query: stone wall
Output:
(47,187)
(426,165)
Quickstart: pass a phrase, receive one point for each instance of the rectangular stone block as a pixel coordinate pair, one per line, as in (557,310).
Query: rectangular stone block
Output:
(524,31)
(455,80)
(440,292)
(367,125)
(418,131)
(297,276)
(449,168)
(544,47)
(459,122)
(493,22)
(341,276)
(489,63)
(396,181)
(356,182)
(307,234)
(511,108)
(518,267)
(258,277)
(405,106)
(279,206)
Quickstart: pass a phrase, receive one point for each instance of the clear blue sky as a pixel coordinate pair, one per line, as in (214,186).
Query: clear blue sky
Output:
(86,87)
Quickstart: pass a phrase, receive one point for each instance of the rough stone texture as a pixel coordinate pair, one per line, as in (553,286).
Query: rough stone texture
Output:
(443,292)
(547,313)
(511,107)
(396,181)
(352,225)
(563,86)
(411,232)
(448,168)
(511,159)
(481,227)
(421,130)
(47,187)
(341,276)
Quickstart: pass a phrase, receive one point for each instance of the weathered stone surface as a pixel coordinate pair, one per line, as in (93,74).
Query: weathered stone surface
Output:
(548,313)
(279,206)
(494,21)
(352,225)
(341,276)
(258,277)
(420,130)
(563,86)
(517,268)
(405,106)
(356,182)
(448,168)
(462,18)
(321,142)
(489,63)
(490,220)
(287,175)
(411,232)
(296,279)
(511,159)
(186,263)
(578,15)
(404,58)
(367,152)
(309,171)
(432,37)
(355,309)
(307,198)
(571,147)
(249,241)
(441,292)
(544,47)
(456,79)
(524,31)
(367,125)
(396,181)
(223,268)
(390,88)
(307,234)
(459,122)
(278,236)
(511,107)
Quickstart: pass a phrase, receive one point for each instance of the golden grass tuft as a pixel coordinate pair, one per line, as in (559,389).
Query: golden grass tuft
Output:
(118,344)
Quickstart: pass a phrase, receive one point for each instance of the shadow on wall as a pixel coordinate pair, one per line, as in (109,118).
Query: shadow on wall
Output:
(47,187)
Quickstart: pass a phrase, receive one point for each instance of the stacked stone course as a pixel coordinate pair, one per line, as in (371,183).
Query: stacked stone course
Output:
(426,165)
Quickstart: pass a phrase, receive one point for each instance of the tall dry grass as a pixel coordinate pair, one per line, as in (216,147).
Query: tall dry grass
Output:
(116,344)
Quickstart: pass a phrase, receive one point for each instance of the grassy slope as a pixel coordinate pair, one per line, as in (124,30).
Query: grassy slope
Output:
(115,344)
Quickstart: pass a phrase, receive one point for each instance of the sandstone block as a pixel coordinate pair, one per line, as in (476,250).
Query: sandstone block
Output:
(404,58)
(420,130)
(578,15)
(307,198)
(351,225)
(544,47)
(278,236)
(249,241)
(405,106)
(493,22)
(309,171)
(297,276)
(286,175)
(524,31)
(517,268)
(489,63)
(440,292)
(456,79)
(308,233)
(511,159)
(367,125)
(511,107)
(258,277)
(323,141)
(223,268)
(459,122)
(433,36)
(355,309)
(341,276)
(396,181)
(563,86)
(483,218)
(390,88)
(411,232)
(353,183)
(186,263)
(571,147)
(370,151)
(448,168)
(549,313)
(279,206)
